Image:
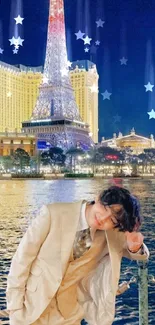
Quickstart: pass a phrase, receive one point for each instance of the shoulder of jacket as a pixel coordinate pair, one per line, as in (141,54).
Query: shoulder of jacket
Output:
(58,206)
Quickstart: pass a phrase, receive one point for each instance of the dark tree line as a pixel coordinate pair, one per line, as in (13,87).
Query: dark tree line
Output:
(95,157)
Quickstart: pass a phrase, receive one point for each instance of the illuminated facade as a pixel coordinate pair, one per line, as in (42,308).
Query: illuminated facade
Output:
(18,92)
(84,80)
(136,143)
(10,141)
(20,88)
(55,118)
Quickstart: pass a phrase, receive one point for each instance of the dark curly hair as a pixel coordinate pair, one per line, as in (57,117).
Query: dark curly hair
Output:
(128,214)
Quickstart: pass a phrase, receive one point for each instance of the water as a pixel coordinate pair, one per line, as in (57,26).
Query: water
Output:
(20,202)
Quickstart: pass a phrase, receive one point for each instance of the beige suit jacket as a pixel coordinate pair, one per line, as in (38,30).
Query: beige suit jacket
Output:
(42,257)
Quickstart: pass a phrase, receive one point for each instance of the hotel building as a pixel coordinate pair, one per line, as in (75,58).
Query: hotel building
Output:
(84,80)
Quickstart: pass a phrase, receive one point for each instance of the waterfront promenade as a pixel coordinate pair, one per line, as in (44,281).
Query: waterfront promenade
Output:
(21,200)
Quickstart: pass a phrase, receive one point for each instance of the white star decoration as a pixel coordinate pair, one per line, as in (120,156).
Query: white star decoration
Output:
(117,118)
(100,23)
(15,51)
(20,41)
(87,40)
(16,41)
(86,50)
(60,11)
(45,80)
(97,42)
(106,95)
(12,41)
(149,87)
(19,20)
(79,35)
(1,51)
(9,94)
(151,114)
(64,72)
(69,64)
(94,89)
(123,61)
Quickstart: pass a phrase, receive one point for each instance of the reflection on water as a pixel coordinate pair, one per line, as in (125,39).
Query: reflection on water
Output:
(21,200)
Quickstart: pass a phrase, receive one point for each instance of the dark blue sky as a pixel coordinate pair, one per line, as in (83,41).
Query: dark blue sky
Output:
(129,31)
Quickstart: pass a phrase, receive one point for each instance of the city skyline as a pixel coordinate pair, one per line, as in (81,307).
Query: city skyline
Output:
(124,57)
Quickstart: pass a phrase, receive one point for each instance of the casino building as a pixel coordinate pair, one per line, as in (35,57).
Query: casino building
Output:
(18,92)
(135,142)
(10,141)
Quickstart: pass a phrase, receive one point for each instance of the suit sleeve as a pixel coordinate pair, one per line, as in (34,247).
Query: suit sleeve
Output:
(141,255)
(22,260)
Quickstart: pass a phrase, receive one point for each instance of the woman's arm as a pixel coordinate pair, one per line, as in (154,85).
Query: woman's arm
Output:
(26,253)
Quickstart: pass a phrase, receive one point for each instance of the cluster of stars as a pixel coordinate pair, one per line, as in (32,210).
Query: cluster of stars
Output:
(123,62)
(149,87)
(17,41)
(93,47)
(87,40)
(106,94)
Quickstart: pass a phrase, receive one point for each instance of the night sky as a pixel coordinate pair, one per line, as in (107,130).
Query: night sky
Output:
(128,31)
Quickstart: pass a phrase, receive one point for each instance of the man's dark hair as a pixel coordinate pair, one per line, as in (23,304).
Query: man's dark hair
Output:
(129,218)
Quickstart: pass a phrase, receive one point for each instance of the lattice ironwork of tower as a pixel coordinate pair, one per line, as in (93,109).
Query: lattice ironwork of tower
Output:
(56,118)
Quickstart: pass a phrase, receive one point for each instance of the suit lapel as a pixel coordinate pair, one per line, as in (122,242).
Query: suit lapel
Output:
(114,242)
(69,223)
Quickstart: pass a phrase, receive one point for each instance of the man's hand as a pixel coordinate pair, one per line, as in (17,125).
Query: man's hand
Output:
(134,241)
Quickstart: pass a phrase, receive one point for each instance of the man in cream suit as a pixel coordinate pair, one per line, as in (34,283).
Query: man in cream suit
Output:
(67,266)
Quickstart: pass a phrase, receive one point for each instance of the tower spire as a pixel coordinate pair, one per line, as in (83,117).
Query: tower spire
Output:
(56,97)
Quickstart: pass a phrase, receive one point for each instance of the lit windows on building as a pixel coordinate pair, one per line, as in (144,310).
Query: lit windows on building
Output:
(14,94)
(83,76)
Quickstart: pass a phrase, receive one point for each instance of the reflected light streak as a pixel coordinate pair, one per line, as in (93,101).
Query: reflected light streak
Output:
(16,9)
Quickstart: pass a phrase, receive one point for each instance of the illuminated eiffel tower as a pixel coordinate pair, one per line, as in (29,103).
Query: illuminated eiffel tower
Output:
(55,119)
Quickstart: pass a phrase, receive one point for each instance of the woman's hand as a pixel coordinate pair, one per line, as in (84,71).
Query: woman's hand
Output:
(134,241)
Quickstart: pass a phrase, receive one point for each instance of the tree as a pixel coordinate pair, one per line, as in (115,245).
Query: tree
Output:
(110,154)
(21,158)
(6,162)
(57,156)
(54,156)
(150,155)
(144,160)
(35,163)
(45,158)
(105,155)
(148,159)
(74,153)
(95,158)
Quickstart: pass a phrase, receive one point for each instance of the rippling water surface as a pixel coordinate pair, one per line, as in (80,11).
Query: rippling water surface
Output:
(21,200)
